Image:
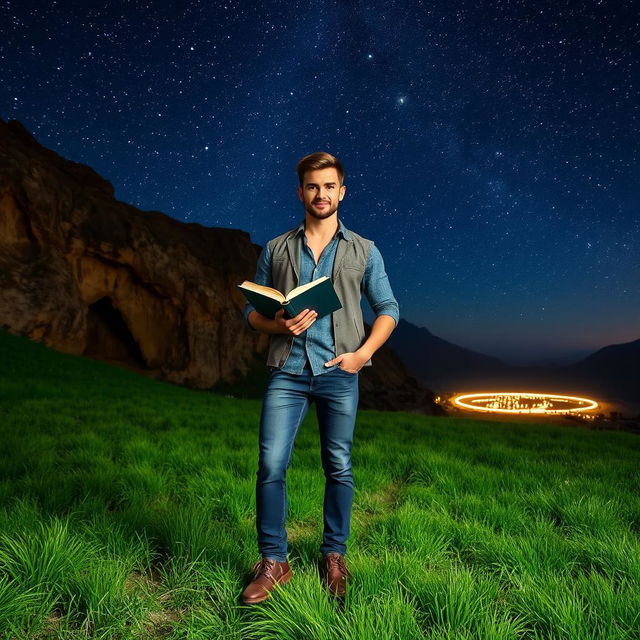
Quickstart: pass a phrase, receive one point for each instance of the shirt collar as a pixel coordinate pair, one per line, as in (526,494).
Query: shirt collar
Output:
(341,229)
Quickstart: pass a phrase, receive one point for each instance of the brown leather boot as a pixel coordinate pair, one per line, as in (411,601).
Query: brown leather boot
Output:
(266,572)
(334,573)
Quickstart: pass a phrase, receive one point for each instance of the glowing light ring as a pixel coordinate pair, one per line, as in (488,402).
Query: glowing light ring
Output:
(493,400)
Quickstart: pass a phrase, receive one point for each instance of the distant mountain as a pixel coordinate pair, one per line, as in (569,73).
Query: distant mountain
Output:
(613,370)
(431,358)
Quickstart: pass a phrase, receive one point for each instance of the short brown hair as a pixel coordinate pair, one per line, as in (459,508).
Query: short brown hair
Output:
(319,160)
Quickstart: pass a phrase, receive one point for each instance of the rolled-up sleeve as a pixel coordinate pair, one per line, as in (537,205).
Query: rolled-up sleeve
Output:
(263,276)
(377,288)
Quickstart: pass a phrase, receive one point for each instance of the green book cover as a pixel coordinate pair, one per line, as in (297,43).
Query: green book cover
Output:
(318,295)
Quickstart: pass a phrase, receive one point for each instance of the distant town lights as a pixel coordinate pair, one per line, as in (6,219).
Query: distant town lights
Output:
(523,402)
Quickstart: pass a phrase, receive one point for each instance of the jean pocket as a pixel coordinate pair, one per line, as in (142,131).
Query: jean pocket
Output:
(339,368)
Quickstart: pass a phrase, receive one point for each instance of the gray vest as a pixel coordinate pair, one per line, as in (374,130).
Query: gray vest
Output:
(348,270)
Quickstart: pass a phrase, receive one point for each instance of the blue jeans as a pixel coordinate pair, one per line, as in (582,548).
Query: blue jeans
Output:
(285,404)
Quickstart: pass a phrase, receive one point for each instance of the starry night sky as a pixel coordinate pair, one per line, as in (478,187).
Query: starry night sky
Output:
(490,148)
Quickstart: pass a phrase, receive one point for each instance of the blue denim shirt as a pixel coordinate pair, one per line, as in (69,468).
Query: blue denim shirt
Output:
(316,345)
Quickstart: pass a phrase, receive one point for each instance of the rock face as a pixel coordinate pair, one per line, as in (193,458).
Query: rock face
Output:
(87,274)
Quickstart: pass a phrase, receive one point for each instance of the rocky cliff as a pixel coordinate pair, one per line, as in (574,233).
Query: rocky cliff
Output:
(90,275)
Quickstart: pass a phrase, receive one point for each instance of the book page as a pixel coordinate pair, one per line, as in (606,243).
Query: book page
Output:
(298,290)
(270,292)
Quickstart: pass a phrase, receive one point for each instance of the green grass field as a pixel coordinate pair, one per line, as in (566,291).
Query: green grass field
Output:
(127,510)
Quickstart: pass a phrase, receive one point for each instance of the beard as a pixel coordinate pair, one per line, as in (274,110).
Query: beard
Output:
(322,215)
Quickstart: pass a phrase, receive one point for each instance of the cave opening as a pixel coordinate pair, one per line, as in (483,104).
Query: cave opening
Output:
(108,336)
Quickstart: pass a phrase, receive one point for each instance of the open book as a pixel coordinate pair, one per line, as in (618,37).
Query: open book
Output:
(318,295)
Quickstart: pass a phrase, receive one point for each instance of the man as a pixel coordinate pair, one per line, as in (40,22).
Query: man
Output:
(315,361)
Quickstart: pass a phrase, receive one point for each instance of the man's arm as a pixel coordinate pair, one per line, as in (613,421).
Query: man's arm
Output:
(381,329)
(377,290)
(254,319)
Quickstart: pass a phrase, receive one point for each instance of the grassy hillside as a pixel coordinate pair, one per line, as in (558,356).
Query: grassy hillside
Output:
(127,511)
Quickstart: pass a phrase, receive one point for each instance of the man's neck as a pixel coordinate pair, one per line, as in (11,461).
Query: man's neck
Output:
(321,229)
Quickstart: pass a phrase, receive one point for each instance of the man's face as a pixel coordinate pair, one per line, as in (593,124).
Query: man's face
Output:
(321,192)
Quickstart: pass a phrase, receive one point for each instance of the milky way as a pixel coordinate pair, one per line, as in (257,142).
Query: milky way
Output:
(490,148)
